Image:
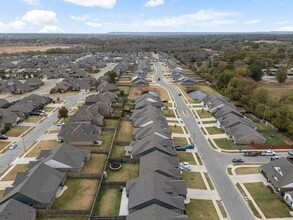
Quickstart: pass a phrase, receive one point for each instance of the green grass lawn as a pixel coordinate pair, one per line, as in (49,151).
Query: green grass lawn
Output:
(203,131)
(225,144)
(199,159)
(168,113)
(33,119)
(204,114)
(201,210)
(214,130)
(4,145)
(108,202)
(42,145)
(193,180)
(271,204)
(247,170)
(48,109)
(180,141)
(177,129)
(124,132)
(110,123)
(127,172)
(209,122)
(117,151)
(12,174)
(209,181)
(212,144)
(106,139)
(95,164)
(79,195)
(1,194)
(17,131)
(274,139)
(186,157)
(262,127)
(223,210)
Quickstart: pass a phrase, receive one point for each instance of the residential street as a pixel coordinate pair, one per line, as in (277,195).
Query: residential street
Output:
(215,162)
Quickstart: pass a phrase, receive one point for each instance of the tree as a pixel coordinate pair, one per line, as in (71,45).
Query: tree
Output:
(63,112)
(112,75)
(255,72)
(223,79)
(282,75)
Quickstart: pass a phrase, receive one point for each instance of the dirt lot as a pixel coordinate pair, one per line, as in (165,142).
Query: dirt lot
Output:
(18,49)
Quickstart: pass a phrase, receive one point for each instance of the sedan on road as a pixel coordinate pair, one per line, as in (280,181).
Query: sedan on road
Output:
(237,160)
(12,146)
(290,152)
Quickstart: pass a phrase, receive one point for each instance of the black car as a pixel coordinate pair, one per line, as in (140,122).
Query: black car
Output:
(35,113)
(237,160)
(3,137)
(180,148)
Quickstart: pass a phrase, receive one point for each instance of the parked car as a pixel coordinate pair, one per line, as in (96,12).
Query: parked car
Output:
(12,146)
(251,154)
(268,153)
(275,158)
(180,148)
(179,94)
(35,113)
(189,146)
(184,166)
(237,160)
(290,152)
(3,137)
(60,123)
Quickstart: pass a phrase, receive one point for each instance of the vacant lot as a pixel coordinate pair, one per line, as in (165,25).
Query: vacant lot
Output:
(214,130)
(247,170)
(186,157)
(12,174)
(271,204)
(275,90)
(201,210)
(124,132)
(108,203)
(19,48)
(193,180)
(17,131)
(95,164)
(42,145)
(127,172)
(79,195)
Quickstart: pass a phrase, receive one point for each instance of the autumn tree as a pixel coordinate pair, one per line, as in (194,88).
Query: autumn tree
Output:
(63,112)
(282,75)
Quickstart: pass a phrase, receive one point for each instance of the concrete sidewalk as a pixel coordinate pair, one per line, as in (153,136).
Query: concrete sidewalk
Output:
(203,194)
(23,160)
(4,184)
(124,204)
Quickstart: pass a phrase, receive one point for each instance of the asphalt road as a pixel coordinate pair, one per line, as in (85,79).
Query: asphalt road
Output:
(214,161)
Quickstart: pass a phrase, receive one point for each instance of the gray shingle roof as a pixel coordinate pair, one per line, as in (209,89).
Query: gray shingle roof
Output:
(14,210)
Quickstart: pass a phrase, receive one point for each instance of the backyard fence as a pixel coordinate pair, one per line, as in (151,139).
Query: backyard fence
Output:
(87,176)
(59,213)
(108,218)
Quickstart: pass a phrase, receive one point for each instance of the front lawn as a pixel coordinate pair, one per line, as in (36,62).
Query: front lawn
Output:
(12,174)
(247,170)
(274,139)
(177,129)
(78,196)
(127,172)
(49,109)
(186,157)
(124,133)
(4,145)
(225,144)
(214,130)
(204,114)
(201,210)
(42,145)
(108,202)
(180,141)
(33,119)
(95,164)
(17,131)
(168,113)
(1,194)
(193,180)
(271,204)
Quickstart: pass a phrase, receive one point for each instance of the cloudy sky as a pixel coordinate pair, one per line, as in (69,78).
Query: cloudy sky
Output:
(102,16)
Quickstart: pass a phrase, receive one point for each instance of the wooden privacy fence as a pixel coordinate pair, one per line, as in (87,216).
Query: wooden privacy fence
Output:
(108,218)
(123,160)
(273,147)
(83,175)
(57,212)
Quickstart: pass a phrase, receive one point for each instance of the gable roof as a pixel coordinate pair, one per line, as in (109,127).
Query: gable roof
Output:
(148,109)
(14,210)
(231,119)
(241,131)
(154,128)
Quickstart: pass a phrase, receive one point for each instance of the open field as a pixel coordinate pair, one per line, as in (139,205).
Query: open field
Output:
(95,164)
(275,90)
(108,203)
(271,204)
(193,180)
(79,194)
(42,145)
(19,48)
(17,131)
(12,174)
(127,172)
(201,210)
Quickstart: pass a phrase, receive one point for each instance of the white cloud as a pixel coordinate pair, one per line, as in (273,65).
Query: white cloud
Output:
(40,17)
(94,3)
(254,21)
(286,28)
(93,24)
(79,18)
(51,29)
(12,26)
(154,3)
(206,16)
(31,2)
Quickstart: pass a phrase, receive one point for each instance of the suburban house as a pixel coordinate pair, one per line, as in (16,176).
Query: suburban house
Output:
(80,134)
(64,157)
(8,118)
(148,99)
(155,128)
(61,88)
(37,187)
(39,101)
(4,103)
(150,118)
(88,115)
(23,109)
(106,87)
(148,109)
(34,82)
(214,101)
(106,97)
(102,108)
(230,119)
(288,198)
(15,210)
(279,174)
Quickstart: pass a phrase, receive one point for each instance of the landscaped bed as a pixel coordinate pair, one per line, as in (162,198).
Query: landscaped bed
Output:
(124,133)
(127,172)
(271,204)
(95,164)
(17,131)
(108,202)
(42,145)
(78,196)
(214,130)
(186,157)
(12,174)
(193,180)
(201,210)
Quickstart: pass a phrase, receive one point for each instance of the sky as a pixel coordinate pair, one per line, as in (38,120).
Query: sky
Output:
(103,16)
